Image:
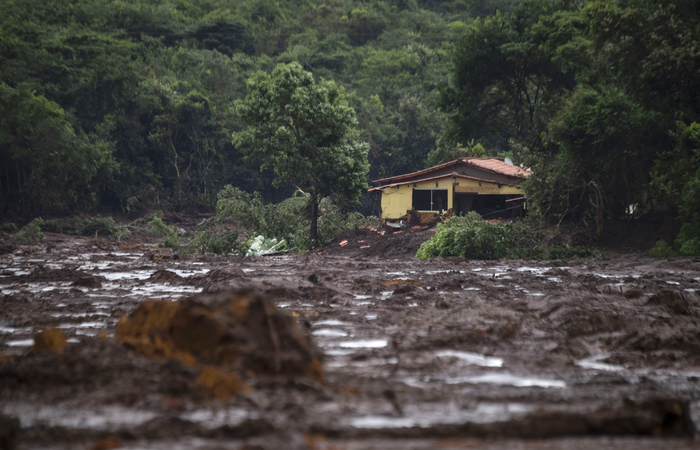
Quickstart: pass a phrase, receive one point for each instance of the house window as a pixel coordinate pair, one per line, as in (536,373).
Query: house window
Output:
(430,199)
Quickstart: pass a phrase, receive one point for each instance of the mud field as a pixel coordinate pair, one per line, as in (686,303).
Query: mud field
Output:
(448,353)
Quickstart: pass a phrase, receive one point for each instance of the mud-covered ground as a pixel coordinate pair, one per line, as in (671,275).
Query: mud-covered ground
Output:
(448,353)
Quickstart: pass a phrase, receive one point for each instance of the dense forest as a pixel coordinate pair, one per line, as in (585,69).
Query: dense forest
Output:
(127,105)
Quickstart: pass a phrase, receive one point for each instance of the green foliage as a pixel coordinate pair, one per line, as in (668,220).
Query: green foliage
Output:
(303,131)
(595,100)
(102,226)
(688,240)
(135,100)
(260,246)
(8,227)
(212,236)
(86,226)
(662,250)
(167,232)
(285,221)
(30,233)
(469,237)
(472,237)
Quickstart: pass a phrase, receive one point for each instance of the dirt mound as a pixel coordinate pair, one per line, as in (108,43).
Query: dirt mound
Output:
(102,369)
(366,242)
(51,339)
(677,302)
(239,330)
(41,273)
(219,280)
(91,282)
(165,275)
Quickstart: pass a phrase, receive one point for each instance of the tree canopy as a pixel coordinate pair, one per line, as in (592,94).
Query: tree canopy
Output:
(597,99)
(305,132)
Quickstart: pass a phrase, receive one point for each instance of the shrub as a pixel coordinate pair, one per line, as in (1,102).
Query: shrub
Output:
(662,250)
(688,240)
(168,233)
(214,237)
(472,237)
(88,226)
(287,220)
(8,227)
(30,233)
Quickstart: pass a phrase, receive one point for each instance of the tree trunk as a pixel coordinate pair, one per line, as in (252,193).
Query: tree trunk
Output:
(314,221)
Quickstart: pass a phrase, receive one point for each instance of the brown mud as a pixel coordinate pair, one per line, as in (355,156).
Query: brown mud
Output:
(352,346)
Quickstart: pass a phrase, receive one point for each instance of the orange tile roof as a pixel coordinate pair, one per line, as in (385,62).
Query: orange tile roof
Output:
(492,164)
(499,166)
(453,174)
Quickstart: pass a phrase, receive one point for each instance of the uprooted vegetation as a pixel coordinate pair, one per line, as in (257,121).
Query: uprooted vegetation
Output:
(75,226)
(472,237)
(288,220)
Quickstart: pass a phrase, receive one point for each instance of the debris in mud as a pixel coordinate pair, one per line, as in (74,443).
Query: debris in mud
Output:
(685,303)
(368,242)
(51,339)
(90,282)
(164,275)
(99,369)
(239,330)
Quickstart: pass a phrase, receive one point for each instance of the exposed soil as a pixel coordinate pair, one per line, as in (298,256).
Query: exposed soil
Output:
(352,346)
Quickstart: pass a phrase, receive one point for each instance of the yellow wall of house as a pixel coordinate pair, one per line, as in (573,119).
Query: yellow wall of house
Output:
(396,201)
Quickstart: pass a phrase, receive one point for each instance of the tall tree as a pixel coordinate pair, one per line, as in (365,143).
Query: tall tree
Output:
(304,131)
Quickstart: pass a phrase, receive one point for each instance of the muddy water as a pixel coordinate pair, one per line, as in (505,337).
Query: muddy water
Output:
(417,353)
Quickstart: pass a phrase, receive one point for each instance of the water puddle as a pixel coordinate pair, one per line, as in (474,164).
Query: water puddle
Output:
(216,418)
(11,330)
(330,323)
(366,343)
(163,291)
(428,414)
(83,325)
(105,418)
(507,379)
(470,358)
(20,343)
(135,275)
(534,270)
(329,332)
(594,363)
(189,272)
(338,352)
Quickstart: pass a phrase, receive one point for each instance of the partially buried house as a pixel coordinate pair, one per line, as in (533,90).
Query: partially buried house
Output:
(489,186)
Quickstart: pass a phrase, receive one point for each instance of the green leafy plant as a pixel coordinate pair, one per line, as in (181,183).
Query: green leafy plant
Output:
(30,233)
(8,227)
(212,236)
(472,237)
(168,233)
(662,250)
(87,226)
